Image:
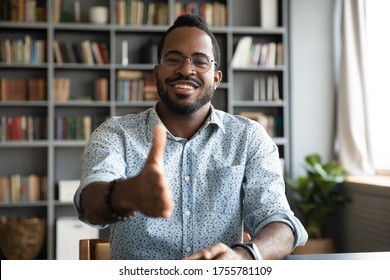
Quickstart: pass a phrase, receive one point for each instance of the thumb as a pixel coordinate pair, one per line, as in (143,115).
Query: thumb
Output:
(157,151)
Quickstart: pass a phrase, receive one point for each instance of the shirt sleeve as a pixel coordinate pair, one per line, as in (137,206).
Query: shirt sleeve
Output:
(265,199)
(102,160)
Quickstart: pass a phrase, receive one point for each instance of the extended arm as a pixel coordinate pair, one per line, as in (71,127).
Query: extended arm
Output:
(147,192)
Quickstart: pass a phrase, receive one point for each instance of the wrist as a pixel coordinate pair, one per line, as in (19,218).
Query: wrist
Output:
(242,252)
(115,212)
(251,250)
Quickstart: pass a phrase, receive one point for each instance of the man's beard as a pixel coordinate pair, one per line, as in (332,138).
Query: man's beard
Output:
(188,108)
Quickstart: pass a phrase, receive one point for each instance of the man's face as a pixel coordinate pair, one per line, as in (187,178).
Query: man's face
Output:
(186,90)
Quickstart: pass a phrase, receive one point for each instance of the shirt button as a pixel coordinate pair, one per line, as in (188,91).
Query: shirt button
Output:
(188,213)
(187,178)
(188,249)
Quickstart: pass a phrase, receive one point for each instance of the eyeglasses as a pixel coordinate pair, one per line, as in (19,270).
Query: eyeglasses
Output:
(173,61)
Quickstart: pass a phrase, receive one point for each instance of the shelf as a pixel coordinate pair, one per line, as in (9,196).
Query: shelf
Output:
(42,203)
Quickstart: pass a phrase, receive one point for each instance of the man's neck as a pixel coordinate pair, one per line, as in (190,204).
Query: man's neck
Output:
(184,126)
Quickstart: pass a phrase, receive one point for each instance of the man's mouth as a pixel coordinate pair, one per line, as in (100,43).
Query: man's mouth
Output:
(184,86)
(185,83)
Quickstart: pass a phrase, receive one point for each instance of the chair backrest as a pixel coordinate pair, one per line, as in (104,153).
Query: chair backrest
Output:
(94,249)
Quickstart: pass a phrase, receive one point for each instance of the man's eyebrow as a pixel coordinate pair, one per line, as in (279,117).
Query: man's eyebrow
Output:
(179,53)
(173,51)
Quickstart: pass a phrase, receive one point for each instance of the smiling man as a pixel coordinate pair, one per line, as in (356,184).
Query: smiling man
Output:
(181,180)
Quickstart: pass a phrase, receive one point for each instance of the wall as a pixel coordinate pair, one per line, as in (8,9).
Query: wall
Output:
(312,94)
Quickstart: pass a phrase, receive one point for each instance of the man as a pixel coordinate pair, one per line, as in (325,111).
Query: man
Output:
(182,179)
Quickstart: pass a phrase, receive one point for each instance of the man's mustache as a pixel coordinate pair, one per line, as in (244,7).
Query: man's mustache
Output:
(185,78)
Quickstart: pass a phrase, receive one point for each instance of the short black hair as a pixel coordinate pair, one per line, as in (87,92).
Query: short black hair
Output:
(189,20)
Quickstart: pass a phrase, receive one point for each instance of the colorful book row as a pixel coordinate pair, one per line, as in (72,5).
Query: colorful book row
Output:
(23,51)
(87,52)
(136,12)
(76,127)
(23,11)
(23,188)
(17,89)
(135,86)
(23,128)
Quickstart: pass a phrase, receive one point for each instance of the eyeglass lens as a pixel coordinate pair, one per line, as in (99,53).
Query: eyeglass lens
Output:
(173,61)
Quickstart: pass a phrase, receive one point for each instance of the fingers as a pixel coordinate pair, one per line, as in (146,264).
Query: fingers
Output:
(159,202)
(156,153)
(218,251)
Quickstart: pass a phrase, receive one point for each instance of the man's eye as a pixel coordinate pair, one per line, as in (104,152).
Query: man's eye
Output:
(172,60)
(200,62)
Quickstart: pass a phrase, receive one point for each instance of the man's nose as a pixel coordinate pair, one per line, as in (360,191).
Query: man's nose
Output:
(186,65)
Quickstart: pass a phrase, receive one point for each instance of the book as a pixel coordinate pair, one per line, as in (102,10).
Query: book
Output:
(13,89)
(120,12)
(87,127)
(5,189)
(77,13)
(96,53)
(57,52)
(56,10)
(271,58)
(103,52)
(270,88)
(151,13)
(7,57)
(125,58)
(70,54)
(27,49)
(101,89)
(255,56)
(263,94)
(87,52)
(15,188)
(279,54)
(264,54)
(61,89)
(256,89)
(276,94)
(33,187)
(129,74)
(242,50)
(36,89)
(150,89)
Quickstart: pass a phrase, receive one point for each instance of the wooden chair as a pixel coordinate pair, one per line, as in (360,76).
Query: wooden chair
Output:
(94,249)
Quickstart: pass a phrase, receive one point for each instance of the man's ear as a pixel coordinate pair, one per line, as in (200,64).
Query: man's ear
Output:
(155,70)
(217,78)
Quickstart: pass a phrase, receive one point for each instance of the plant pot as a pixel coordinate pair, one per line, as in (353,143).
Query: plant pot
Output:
(316,246)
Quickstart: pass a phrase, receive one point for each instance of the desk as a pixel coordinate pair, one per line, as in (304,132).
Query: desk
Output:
(343,256)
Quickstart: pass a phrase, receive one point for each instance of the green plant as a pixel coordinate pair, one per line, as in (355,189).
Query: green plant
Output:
(316,195)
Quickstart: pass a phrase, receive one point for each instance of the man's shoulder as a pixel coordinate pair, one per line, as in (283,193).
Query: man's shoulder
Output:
(233,120)
(125,122)
(131,118)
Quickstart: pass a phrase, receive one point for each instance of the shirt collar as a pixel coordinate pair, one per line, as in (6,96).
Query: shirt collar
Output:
(153,119)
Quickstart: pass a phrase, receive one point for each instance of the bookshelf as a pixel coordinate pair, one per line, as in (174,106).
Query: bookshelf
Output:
(68,97)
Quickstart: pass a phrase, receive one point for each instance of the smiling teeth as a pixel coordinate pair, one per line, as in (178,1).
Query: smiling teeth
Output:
(184,86)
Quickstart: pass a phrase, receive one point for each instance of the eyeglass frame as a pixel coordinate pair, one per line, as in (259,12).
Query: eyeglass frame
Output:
(190,58)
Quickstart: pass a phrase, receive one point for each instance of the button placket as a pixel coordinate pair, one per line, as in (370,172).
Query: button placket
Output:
(187,198)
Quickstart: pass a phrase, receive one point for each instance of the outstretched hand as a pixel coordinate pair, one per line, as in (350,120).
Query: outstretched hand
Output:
(154,197)
(218,251)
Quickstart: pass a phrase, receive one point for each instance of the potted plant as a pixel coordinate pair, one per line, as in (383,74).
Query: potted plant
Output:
(316,196)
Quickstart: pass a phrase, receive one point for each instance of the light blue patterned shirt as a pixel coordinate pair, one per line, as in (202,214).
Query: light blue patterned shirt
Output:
(226,176)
